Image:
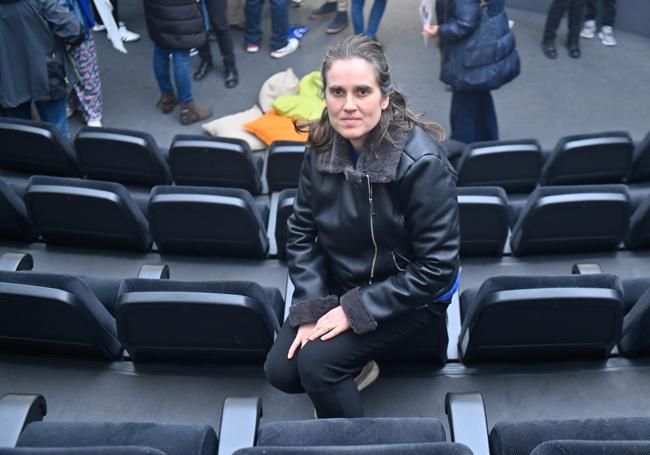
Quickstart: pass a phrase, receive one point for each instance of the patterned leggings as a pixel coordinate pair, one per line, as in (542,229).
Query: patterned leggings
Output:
(87,93)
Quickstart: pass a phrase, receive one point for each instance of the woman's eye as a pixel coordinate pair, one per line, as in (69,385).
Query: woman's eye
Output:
(338,92)
(363,91)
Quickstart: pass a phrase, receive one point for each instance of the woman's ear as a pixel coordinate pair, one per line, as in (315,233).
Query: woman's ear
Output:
(385,101)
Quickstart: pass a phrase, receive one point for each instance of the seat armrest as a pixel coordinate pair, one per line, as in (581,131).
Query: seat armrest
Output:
(240,418)
(15,262)
(467,421)
(154,272)
(590,268)
(17,410)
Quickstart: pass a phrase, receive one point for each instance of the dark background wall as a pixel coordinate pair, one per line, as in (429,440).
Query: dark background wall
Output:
(632,15)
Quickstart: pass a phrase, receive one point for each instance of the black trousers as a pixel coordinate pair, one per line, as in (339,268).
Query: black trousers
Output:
(472,117)
(218,15)
(576,10)
(609,11)
(325,369)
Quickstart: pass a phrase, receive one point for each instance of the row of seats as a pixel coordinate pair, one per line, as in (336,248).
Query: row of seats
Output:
(519,166)
(133,158)
(230,222)
(23,431)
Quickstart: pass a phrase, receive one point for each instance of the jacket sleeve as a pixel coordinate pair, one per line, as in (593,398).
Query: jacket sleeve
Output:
(307,261)
(428,195)
(62,21)
(462,21)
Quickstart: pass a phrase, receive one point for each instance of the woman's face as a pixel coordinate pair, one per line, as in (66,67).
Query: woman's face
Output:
(354,100)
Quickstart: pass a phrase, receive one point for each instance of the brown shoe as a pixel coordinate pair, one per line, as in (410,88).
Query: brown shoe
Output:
(191,113)
(167,102)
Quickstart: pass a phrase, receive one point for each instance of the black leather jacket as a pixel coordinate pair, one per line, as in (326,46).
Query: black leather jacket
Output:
(384,236)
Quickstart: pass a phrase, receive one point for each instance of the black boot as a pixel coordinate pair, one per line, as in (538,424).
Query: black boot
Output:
(231,76)
(204,68)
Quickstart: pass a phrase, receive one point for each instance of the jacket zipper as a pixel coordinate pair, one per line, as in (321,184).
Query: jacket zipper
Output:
(372,230)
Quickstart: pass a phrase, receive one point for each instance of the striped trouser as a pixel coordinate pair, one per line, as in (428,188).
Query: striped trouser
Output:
(87,93)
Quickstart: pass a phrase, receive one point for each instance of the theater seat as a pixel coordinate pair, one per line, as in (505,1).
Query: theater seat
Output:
(232,321)
(541,317)
(592,448)
(117,155)
(285,209)
(589,159)
(284,161)
(218,162)
(35,148)
(640,169)
(47,313)
(568,219)
(514,166)
(437,448)
(150,438)
(86,213)
(635,338)
(14,222)
(483,216)
(100,450)
(638,236)
(207,221)
(521,438)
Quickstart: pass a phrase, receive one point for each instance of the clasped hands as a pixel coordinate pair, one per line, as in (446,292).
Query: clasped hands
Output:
(333,323)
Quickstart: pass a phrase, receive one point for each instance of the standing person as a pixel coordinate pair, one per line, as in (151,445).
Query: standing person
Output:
(33,37)
(340,19)
(378,193)
(175,27)
(126,35)
(606,33)
(376,13)
(576,11)
(87,92)
(471,74)
(218,15)
(281,44)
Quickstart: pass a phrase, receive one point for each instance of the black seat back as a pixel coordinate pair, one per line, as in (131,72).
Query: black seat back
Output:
(543,317)
(35,148)
(437,448)
(638,236)
(123,156)
(589,159)
(483,216)
(592,447)
(283,167)
(572,219)
(219,162)
(640,169)
(178,320)
(86,213)
(46,313)
(285,209)
(514,166)
(635,339)
(14,222)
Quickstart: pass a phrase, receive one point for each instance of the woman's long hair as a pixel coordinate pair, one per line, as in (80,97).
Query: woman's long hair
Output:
(397,114)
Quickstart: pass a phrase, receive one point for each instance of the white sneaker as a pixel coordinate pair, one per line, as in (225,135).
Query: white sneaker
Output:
(291,46)
(94,123)
(99,28)
(588,30)
(606,35)
(367,376)
(69,111)
(296,3)
(127,35)
(193,52)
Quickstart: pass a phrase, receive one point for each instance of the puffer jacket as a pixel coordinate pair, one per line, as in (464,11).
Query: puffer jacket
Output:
(383,236)
(467,63)
(175,24)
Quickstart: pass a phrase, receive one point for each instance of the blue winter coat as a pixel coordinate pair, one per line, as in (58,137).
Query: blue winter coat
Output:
(466,63)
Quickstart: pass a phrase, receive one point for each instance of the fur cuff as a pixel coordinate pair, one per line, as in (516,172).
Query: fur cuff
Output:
(358,316)
(311,310)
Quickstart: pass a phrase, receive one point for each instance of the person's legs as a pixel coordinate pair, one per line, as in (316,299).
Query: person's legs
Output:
(89,88)
(218,10)
(161,68)
(54,112)
(23,111)
(576,16)
(342,6)
(555,13)
(609,13)
(282,373)
(279,23)
(488,127)
(253,34)
(376,13)
(590,10)
(462,116)
(181,64)
(357,16)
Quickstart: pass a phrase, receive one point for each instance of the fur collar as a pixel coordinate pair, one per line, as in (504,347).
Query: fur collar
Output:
(377,160)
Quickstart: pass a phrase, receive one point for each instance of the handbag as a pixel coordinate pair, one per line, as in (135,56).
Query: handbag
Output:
(469,64)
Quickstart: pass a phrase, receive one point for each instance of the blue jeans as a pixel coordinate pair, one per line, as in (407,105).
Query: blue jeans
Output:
(50,111)
(376,12)
(279,22)
(181,64)
(473,118)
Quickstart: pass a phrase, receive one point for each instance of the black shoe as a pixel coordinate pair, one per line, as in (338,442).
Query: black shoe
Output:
(337,24)
(574,49)
(549,50)
(325,9)
(204,68)
(232,78)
